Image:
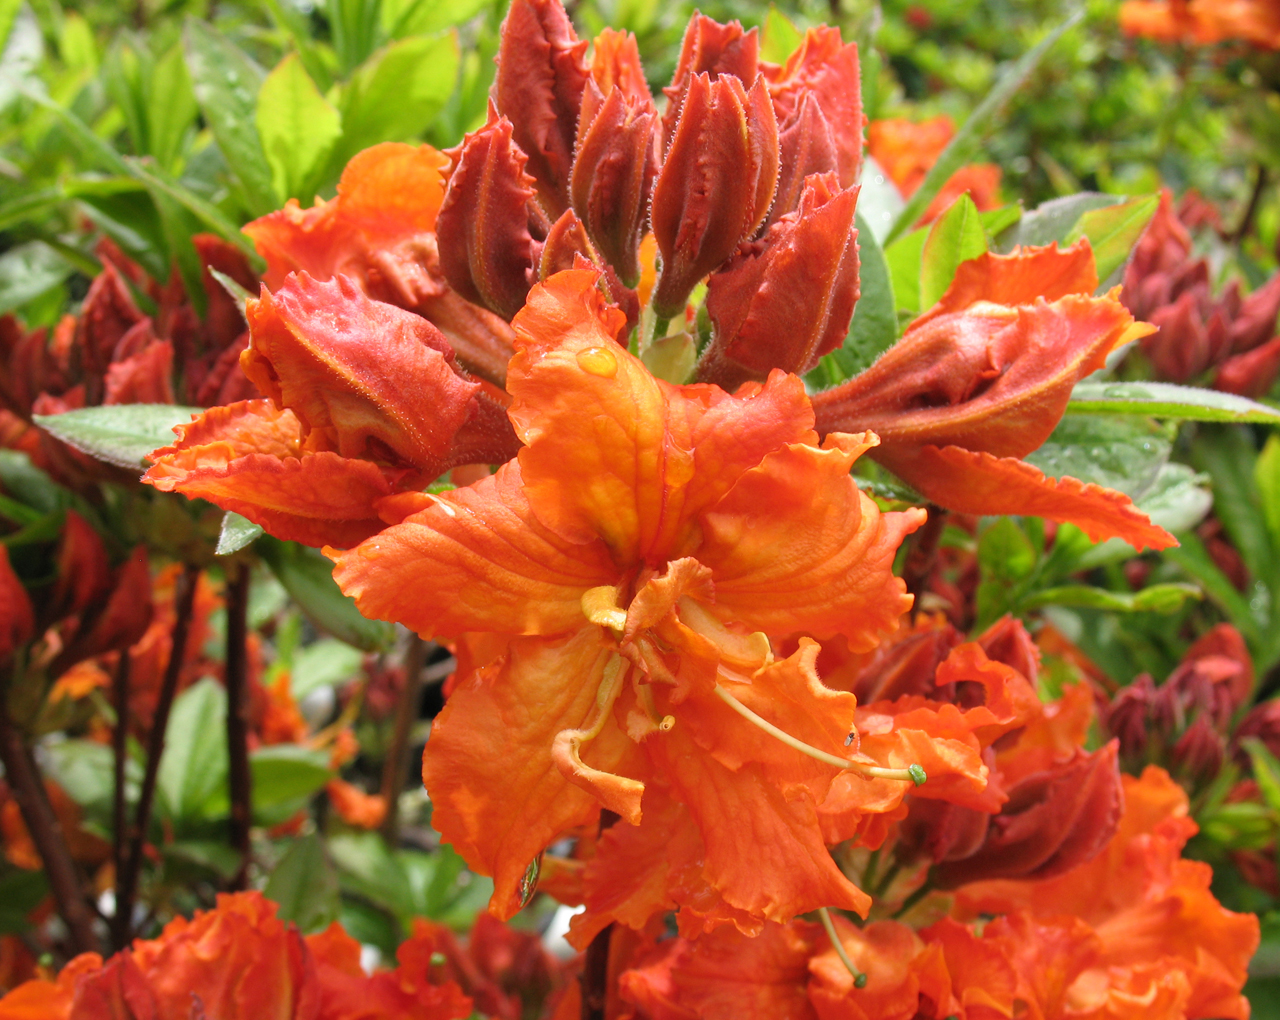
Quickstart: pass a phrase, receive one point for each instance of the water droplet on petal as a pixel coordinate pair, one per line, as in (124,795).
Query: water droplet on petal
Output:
(598,361)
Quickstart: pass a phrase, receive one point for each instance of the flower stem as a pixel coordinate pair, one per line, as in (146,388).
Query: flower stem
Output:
(397,761)
(859,978)
(239,779)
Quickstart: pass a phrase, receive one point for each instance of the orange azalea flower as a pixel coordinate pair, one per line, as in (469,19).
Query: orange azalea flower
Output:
(907,150)
(982,379)
(1203,22)
(364,401)
(629,565)
(380,232)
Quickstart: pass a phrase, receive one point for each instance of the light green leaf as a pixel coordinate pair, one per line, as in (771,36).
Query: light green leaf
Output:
(1113,231)
(85,769)
(354,26)
(8,12)
(1158,598)
(402,18)
(237,532)
(226,82)
(398,92)
(1266,771)
(1266,475)
(122,434)
(27,271)
(305,885)
(1165,400)
(779,38)
(903,258)
(1192,557)
(171,107)
(204,210)
(194,767)
(1053,220)
(967,140)
(996,221)
(956,236)
(308,577)
(322,664)
(281,776)
(298,128)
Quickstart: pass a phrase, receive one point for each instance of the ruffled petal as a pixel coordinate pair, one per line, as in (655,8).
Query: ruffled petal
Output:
(979,483)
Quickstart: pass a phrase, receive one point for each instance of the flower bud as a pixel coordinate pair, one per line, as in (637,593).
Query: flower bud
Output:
(1180,350)
(787,299)
(1250,374)
(1128,715)
(1199,752)
(566,243)
(17,617)
(712,49)
(1255,322)
(613,174)
(118,623)
(715,186)
(806,147)
(1007,641)
(84,573)
(486,249)
(539,83)
(615,63)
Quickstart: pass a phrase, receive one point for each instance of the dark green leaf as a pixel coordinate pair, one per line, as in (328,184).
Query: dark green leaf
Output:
(1165,400)
(305,885)
(282,776)
(1196,562)
(1226,453)
(956,236)
(23,480)
(237,532)
(21,892)
(27,271)
(122,434)
(208,213)
(367,867)
(967,140)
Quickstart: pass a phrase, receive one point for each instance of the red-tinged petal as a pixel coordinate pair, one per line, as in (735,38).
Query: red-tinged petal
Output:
(787,299)
(119,989)
(1009,700)
(386,192)
(142,378)
(1019,278)
(1251,374)
(541,74)
(983,981)
(713,49)
(364,378)
(612,451)
(16,611)
(826,69)
(498,797)
(806,147)
(1047,955)
(354,806)
(107,314)
(477,560)
(247,458)
(223,322)
(889,953)
(978,483)
(1256,320)
(820,560)
(486,250)
(615,64)
(84,573)
(119,623)
(716,183)
(994,378)
(49,1000)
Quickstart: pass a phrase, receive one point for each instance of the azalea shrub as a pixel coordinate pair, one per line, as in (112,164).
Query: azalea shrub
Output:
(813,582)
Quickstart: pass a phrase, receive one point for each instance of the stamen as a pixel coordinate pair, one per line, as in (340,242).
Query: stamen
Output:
(601,607)
(859,977)
(668,722)
(913,774)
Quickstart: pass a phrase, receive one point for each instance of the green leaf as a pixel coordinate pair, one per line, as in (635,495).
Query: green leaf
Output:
(237,532)
(1158,598)
(308,577)
(1192,557)
(305,885)
(1053,220)
(396,95)
(1165,400)
(8,12)
(85,769)
(171,109)
(967,140)
(996,221)
(282,776)
(957,236)
(1227,454)
(401,18)
(1266,771)
(1117,452)
(368,868)
(779,38)
(205,211)
(322,664)
(226,82)
(1266,475)
(122,434)
(354,25)
(875,320)
(298,128)
(28,271)
(21,892)
(194,767)
(903,258)
(1113,231)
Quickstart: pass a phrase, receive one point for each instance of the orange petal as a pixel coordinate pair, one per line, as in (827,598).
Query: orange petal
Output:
(978,483)
(614,452)
(796,545)
(245,457)
(477,560)
(498,796)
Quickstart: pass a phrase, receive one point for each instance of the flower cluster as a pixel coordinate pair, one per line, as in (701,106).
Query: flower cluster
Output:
(1204,22)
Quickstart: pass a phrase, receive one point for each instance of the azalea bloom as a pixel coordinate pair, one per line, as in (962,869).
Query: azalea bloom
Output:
(1203,22)
(613,591)
(907,150)
(982,378)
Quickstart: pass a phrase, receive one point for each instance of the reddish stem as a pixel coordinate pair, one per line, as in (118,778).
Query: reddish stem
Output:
(397,761)
(239,780)
(120,805)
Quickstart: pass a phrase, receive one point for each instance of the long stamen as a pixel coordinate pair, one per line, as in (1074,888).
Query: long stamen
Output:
(911,774)
(859,977)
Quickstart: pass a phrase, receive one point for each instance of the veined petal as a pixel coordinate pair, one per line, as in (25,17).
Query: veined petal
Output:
(477,560)
(247,457)
(979,483)
(819,559)
(612,451)
(497,794)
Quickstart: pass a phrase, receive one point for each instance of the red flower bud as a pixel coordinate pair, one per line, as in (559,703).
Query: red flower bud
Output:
(486,249)
(716,183)
(1128,716)
(107,315)
(613,174)
(1007,641)
(713,49)
(787,299)
(17,617)
(615,63)
(1199,752)
(806,147)
(1180,350)
(1053,821)
(541,75)
(566,243)
(119,623)
(84,573)
(1255,322)
(1252,373)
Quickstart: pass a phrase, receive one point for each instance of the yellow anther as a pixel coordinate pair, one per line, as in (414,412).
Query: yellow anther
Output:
(601,607)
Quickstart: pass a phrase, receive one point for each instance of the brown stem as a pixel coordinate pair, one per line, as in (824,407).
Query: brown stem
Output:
(46,831)
(1251,210)
(120,805)
(923,555)
(237,682)
(595,963)
(397,761)
(184,599)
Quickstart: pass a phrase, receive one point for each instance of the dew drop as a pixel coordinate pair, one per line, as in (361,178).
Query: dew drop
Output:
(598,361)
